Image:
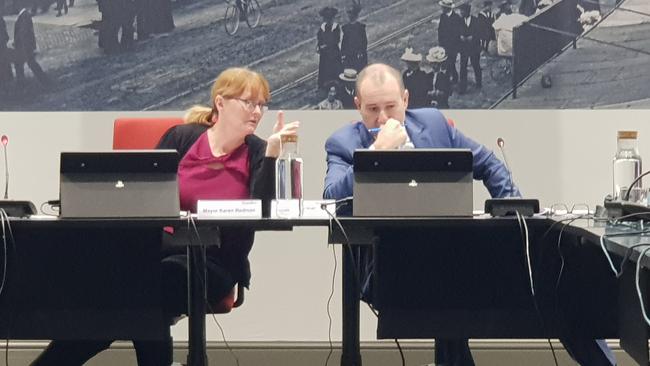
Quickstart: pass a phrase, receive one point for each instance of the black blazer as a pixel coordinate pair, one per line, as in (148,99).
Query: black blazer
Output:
(472,47)
(235,243)
(449,30)
(24,37)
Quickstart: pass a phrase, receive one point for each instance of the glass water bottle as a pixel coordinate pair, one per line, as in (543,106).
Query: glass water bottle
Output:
(288,179)
(627,167)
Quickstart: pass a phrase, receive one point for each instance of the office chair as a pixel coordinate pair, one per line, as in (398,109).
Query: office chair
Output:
(145,133)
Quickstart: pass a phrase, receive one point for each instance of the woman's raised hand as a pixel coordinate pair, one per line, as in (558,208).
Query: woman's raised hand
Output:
(274,142)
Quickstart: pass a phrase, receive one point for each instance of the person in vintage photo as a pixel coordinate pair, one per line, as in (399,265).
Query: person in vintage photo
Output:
(347,91)
(328,37)
(415,80)
(449,29)
(25,50)
(470,48)
(6,75)
(354,45)
(331,103)
(486,19)
(441,88)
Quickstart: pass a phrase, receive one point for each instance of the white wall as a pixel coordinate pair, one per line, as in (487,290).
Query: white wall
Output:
(556,156)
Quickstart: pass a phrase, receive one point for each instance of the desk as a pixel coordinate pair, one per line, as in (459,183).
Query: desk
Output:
(495,299)
(76,279)
(99,279)
(634,331)
(119,311)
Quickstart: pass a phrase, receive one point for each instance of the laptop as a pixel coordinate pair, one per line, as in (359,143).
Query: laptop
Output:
(413,182)
(126,183)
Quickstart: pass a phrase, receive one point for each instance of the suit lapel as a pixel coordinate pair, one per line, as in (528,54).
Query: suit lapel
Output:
(414,130)
(365,138)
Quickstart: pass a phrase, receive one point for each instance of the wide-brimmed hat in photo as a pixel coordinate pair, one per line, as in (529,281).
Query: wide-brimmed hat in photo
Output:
(328,12)
(409,56)
(447,3)
(436,54)
(348,75)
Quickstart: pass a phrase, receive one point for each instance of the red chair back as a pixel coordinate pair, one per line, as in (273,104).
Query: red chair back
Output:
(145,133)
(141,133)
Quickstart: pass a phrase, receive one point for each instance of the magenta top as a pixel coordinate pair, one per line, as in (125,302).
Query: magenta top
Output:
(203,176)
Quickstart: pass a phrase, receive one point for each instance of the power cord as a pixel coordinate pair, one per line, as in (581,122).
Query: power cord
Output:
(329,315)
(628,252)
(6,229)
(345,201)
(347,244)
(566,222)
(638,286)
(523,227)
(190,221)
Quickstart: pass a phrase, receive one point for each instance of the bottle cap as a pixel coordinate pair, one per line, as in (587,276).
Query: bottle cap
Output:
(289,138)
(627,134)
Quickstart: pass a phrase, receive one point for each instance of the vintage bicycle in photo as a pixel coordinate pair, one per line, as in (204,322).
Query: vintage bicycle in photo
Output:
(238,11)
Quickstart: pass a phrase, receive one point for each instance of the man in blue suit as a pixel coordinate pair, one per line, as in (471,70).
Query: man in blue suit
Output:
(382,101)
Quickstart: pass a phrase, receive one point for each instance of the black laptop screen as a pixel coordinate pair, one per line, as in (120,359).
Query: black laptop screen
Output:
(126,161)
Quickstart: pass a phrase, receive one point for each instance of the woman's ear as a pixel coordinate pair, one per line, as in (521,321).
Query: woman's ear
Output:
(218,103)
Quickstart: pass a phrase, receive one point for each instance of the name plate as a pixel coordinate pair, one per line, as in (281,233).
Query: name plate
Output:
(229,209)
(313,209)
(285,209)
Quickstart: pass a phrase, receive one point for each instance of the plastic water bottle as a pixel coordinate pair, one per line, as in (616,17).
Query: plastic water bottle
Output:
(288,179)
(627,167)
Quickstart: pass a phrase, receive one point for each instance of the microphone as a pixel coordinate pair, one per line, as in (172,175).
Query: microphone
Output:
(501,143)
(10,207)
(510,206)
(5,140)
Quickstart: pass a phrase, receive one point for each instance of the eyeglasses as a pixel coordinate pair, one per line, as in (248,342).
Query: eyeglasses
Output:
(250,105)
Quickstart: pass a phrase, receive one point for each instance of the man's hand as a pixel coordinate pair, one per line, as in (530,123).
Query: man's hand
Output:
(391,136)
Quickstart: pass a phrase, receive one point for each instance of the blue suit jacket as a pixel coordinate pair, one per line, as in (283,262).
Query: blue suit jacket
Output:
(427,128)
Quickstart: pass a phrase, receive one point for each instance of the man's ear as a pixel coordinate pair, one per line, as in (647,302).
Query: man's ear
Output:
(357,102)
(405,98)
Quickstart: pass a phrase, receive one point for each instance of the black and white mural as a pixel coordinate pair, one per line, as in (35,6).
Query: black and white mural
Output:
(133,55)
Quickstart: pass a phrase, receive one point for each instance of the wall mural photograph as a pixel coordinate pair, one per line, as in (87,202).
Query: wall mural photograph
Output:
(135,55)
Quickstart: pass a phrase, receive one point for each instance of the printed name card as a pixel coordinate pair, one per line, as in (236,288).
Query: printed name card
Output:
(229,209)
(285,209)
(315,209)
(311,209)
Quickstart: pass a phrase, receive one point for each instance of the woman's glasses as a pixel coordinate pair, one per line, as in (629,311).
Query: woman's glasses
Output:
(250,105)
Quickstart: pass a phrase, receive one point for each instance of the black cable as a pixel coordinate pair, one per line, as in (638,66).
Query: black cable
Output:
(523,226)
(559,250)
(629,189)
(190,219)
(4,220)
(626,257)
(6,228)
(329,315)
(587,217)
(399,348)
(347,244)
(344,201)
(617,220)
(401,353)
